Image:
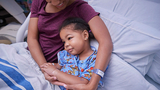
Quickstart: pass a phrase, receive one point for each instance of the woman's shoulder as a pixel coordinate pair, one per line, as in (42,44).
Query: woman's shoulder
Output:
(36,7)
(77,6)
(84,10)
(38,3)
(80,2)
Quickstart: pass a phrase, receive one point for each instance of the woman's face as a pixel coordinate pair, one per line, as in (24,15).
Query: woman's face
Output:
(60,4)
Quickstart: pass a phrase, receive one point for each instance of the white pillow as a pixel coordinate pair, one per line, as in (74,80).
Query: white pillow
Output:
(154,71)
(122,76)
(10,31)
(135,36)
(4,40)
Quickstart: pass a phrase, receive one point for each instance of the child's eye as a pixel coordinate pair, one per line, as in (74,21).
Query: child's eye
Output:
(69,38)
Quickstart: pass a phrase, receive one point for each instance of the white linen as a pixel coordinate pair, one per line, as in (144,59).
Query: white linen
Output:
(154,71)
(134,27)
(11,78)
(16,54)
(120,75)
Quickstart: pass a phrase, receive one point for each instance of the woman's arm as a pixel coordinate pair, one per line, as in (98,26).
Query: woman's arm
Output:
(102,35)
(33,43)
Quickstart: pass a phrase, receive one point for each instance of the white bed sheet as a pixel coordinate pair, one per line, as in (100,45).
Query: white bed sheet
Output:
(120,75)
(134,27)
(17,55)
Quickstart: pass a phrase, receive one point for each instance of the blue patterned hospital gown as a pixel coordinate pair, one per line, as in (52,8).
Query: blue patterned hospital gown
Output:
(72,65)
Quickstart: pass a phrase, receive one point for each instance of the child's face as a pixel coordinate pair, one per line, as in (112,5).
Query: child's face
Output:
(60,4)
(74,40)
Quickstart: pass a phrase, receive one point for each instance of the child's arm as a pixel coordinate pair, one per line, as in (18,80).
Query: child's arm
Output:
(57,66)
(61,76)
(69,79)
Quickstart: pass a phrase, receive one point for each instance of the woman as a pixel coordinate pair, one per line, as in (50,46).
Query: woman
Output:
(43,37)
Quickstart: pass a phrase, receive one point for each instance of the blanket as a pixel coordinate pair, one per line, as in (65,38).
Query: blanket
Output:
(18,71)
(14,80)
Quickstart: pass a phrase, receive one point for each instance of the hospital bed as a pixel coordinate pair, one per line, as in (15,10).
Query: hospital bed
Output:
(134,26)
(13,9)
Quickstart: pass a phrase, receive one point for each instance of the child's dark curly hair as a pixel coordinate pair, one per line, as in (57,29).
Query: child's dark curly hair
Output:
(79,24)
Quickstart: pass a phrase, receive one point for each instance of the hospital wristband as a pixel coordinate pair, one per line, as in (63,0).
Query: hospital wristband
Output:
(98,72)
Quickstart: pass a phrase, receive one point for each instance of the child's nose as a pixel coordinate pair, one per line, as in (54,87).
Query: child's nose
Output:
(66,44)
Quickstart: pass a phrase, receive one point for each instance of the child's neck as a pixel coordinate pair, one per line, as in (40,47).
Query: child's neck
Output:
(86,53)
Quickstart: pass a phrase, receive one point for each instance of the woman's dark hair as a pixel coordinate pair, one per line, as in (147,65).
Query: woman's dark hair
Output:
(79,24)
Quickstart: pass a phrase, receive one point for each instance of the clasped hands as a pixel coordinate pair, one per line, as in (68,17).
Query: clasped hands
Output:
(50,72)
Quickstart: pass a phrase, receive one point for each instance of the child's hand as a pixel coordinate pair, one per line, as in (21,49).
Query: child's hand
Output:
(48,68)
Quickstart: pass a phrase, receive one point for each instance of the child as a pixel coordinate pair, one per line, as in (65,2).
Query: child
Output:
(78,59)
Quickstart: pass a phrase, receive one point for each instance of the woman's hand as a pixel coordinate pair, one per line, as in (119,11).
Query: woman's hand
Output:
(53,79)
(48,69)
(49,78)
